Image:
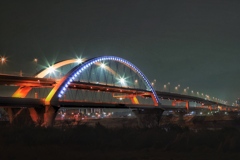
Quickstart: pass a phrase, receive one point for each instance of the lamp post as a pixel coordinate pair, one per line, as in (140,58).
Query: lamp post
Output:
(169,85)
(185,90)
(176,88)
(3,60)
(154,84)
(154,81)
(192,92)
(35,60)
(164,87)
(50,70)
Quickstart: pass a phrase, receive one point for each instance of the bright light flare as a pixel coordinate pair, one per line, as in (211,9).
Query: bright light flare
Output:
(103,65)
(51,69)
(3,59)
(122,80)
(79,60)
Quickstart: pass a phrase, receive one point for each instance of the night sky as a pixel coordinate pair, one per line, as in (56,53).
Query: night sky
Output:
(193,43)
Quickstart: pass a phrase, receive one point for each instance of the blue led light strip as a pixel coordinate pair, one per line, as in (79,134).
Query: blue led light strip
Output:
(90,62)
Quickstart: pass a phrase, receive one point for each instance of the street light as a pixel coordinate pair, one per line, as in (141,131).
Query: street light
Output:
(51,70)
(164,87)
(79,60)
(35,60)
(154,83)
(136,83)
(169,86)
(103,65)
(122,81)
(185,90)
(176,88)
(3,60)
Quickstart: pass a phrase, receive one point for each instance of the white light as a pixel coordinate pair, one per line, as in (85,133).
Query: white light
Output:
(102,65)
(122,80)
(79,60)
(51,69)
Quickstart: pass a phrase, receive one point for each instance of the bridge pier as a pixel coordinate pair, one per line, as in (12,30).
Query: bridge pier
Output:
(180,116)
(19,116)
(49,115)
(25,116)
(149,117)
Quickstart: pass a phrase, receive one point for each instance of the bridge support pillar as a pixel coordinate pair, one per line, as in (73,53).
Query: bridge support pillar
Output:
(149,117)
(23,116)
(180,117)
(49,115)
(187,106)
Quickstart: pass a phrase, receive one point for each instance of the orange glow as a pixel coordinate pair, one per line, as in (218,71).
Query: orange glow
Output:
(57,65)
(154,100)
(134,100)
(187,105)
(3,59)
(23,90)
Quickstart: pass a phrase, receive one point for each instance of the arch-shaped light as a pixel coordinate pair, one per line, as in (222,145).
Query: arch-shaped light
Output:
(60,89)
(22,91)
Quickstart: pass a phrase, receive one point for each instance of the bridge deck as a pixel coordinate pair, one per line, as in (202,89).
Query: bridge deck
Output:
(48,82)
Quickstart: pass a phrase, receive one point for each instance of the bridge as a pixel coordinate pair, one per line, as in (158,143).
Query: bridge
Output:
(101,82)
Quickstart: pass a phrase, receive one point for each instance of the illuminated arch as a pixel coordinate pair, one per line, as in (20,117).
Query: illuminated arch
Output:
(57,65)
(22,91)
(60,88)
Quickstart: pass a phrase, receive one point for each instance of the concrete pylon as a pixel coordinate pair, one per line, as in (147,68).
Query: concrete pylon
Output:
(148,117)
(180,116)
(49,116)
(25,116)
(19,116)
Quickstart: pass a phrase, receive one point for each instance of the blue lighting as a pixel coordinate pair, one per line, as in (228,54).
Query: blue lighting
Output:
(90,62)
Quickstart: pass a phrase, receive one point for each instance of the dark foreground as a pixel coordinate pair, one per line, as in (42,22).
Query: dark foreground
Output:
(84,142)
